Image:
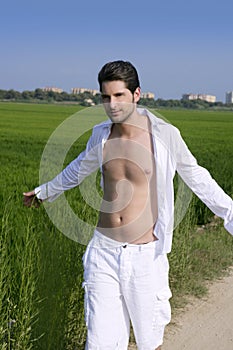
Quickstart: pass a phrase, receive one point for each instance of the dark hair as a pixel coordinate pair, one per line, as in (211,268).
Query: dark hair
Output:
(119,70)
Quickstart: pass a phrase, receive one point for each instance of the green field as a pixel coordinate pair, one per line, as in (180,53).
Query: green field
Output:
(41,299)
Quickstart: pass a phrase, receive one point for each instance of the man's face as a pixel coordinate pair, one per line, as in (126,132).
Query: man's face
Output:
(119,102)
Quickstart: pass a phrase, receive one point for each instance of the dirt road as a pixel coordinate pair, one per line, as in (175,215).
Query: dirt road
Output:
(205,324)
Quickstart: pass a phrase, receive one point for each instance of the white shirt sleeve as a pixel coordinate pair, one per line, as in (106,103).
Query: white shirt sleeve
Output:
(86,163)
(202,184)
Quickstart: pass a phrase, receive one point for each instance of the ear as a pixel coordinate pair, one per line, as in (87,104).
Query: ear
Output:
(137,94)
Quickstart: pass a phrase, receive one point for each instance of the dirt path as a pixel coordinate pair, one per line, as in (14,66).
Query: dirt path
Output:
(205,324)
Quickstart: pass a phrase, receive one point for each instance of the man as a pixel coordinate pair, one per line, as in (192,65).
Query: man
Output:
(125,263)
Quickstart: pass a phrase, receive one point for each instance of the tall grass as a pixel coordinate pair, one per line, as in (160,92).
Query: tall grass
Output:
(19,304)
(39,266)
(41,299)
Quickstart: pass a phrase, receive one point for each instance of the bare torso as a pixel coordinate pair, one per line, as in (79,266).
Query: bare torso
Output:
(129,209)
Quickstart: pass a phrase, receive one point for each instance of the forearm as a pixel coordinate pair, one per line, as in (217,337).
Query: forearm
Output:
(85,164)
(50,190)
(206,188)
(203,185)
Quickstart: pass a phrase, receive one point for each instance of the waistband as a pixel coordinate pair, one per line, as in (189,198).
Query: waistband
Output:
(99,240)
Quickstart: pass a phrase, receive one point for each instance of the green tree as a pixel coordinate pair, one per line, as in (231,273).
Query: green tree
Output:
(12,95)
(27,95)
(40,94)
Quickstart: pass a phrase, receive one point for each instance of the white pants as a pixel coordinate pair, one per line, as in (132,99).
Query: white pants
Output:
(125,282)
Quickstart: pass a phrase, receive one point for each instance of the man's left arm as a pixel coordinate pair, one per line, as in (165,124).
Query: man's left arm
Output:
(202,184)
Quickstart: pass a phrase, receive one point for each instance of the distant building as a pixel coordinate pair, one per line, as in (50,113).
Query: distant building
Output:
(82,90)
(52,88)
(188,97)
(203,97)
(229,97)
(147,95)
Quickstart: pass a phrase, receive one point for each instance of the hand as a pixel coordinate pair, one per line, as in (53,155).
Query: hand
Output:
(30,199)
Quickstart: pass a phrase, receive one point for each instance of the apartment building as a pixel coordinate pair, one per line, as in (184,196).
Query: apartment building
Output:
(147,95)
(229,97)
(82,90)
(52,88)
(203,97)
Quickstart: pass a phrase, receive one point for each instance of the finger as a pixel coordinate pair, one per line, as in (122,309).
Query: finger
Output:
(31,201)
(27,200)
(27,203)
(29,194)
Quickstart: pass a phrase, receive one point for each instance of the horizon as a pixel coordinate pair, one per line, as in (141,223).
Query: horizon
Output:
(142,92)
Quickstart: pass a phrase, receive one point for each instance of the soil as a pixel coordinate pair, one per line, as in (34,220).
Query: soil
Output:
(207,323)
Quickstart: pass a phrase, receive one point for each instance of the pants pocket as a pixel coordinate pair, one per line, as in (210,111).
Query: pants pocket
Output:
(162,308)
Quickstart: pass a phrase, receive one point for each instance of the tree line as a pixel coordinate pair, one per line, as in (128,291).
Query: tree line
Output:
(87,99)
(39,95)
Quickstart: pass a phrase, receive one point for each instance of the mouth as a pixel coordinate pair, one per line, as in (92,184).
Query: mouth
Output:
(114,113)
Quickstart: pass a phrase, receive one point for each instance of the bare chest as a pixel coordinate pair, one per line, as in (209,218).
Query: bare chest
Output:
(128,159)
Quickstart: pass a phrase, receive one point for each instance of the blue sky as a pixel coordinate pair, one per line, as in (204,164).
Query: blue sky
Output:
(177,46)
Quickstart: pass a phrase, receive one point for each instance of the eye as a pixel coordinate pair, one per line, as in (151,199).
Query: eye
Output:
(105,98)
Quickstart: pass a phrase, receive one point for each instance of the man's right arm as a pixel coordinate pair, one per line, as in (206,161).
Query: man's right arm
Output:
(86,163)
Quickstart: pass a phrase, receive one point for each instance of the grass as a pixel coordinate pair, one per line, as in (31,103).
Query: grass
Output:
(41,299)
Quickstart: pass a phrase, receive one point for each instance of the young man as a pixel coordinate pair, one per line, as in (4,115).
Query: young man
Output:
(125,263)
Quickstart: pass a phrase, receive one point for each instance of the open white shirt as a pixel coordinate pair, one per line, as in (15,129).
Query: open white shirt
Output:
(171,154)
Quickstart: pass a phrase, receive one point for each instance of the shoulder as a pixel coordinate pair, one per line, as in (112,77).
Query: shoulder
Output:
(106,124)
(100,132)
(161,126)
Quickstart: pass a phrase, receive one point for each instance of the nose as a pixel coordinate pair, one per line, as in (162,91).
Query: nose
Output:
(112,103)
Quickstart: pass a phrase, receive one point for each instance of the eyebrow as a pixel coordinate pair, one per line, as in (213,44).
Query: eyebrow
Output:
(119,93)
